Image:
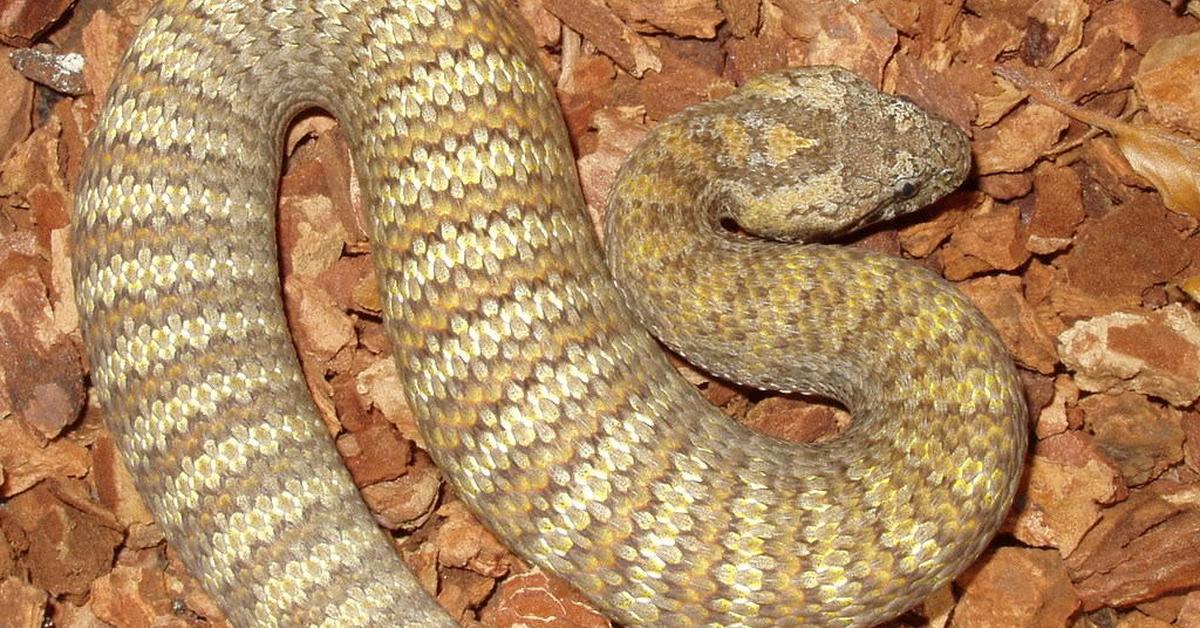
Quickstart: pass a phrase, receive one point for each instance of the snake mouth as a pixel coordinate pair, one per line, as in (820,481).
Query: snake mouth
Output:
(727,225)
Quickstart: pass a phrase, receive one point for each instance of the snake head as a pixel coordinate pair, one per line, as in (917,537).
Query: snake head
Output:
(812,153)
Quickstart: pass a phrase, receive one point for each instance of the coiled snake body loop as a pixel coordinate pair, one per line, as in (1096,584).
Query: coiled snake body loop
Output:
(551,411)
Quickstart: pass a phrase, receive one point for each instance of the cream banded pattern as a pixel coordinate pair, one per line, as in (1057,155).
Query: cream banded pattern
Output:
(546,404)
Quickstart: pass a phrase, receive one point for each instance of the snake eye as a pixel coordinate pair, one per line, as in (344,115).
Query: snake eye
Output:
(907,190)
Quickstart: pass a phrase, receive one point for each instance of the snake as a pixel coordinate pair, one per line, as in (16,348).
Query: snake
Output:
(526,353)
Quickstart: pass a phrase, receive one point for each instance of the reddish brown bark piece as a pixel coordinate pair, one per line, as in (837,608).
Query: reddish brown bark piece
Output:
(320,238)
(105,39)
(740,15)
(1059,26)
(1117,257)
(1030,339)
(1189,612)
(989,238)
(424,565)
(1142,438)
(114,487)
(136,597)
(691,75)
(62,72)
(34,195)
(1165,608)
(855,38)
(1167,78)
(684,18)
(22,605)
(1136,619)
(983,40)
(462,590)
(379,386)
(407,502)
(26,459)
(547,29)
(16,106)
(586,87)
(68,548)
(617,135)
(903,15)
(936,90)
(316,316)
(996,102)
(535,599)
(1141,23)
(1018,140)
(375,454)
(40,372)
(22,21)
(1154,353)
(1103,66)
(767,48)
(320,166)
(1066,481)
(1191,444)
(597,23)
(1060,414)
(1016,587)
(795,420)
(464,543)
(1057,209)
(1006,186)
(1140,549)
(923,237)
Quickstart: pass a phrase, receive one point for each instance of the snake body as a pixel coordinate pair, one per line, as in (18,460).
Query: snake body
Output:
(551,411)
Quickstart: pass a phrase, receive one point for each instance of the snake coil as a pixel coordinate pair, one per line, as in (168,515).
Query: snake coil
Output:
(546,404)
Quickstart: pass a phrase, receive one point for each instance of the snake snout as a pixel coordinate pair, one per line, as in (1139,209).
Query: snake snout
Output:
(956,154)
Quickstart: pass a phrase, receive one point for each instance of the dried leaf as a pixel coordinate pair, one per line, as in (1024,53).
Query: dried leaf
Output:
(1191,287)
(1170,162)
(1164,82)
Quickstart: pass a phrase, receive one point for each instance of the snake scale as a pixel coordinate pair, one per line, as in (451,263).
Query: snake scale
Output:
(552,412)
